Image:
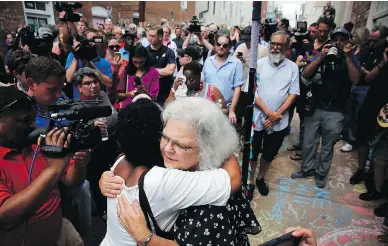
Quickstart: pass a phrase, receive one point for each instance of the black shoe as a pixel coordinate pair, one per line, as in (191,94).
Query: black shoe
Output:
(252,230)
(357,177)
(262,187)
(249,192)
(371,196)
(381,210)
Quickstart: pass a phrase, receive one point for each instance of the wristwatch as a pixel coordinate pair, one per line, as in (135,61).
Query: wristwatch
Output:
(147,240)
(380,66)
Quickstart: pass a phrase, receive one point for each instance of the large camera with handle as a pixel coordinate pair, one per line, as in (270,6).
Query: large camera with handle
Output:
(69,8)
(78,117)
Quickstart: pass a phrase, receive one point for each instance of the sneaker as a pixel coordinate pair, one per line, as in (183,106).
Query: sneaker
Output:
(262,187)
(347,148)
(320,181)
(357,177)
(381,210)
(302,175)
(371,196)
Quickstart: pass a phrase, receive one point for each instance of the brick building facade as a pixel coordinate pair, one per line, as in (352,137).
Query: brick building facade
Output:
(14,14)
(360,13)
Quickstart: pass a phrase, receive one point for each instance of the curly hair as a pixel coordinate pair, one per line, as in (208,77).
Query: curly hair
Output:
(138,133)
(208,123)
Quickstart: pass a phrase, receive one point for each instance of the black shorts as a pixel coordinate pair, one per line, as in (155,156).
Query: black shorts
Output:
(268,145)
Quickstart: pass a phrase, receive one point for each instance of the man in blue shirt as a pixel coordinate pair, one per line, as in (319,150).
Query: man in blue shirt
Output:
(87,57)
(226,73)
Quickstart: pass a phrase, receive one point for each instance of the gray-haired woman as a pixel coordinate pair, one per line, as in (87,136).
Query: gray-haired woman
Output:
(190,141)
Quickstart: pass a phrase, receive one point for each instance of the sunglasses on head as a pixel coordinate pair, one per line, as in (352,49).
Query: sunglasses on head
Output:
(20,103)
(225,46)
(112,47)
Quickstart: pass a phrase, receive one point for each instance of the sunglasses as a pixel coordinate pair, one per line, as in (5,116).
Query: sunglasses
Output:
(112,47)
(21,103)
(225,46)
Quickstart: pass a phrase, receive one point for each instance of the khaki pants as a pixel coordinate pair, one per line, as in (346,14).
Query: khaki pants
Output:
(68,236)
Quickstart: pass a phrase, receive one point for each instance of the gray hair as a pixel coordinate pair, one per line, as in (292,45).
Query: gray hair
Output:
(281,33)
(142,31)
(363,35)
(85,71)
(216,137)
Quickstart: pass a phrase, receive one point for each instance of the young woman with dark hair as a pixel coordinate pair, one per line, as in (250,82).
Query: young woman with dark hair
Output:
(138,67)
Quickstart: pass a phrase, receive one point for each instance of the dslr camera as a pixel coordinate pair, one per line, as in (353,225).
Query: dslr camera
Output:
(335,52)
(79,118)
(194,26)
(68,7)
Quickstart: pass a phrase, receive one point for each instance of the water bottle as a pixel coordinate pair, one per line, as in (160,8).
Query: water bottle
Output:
(104,130)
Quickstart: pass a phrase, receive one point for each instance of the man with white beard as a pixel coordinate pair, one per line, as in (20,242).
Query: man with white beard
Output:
(277,88)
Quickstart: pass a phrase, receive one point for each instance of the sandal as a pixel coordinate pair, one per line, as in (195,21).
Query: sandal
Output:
(296,157)
(294,148)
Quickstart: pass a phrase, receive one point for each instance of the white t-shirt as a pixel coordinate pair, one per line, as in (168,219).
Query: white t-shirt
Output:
(168,191)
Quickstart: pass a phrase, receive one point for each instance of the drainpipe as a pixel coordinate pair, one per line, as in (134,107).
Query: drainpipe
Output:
(200,15)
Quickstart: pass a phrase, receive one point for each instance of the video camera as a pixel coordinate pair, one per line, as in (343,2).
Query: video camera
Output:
(40,46)
(301,32)
(86,50)
(69,7)
(269,27)
(194,26)
(79,119)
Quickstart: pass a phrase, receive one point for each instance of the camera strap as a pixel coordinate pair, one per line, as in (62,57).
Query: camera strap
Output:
(52,151)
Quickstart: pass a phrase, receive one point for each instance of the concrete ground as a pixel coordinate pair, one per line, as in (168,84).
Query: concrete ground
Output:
(335,213)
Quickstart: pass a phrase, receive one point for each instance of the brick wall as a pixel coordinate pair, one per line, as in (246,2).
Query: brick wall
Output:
(157,10)
(360,13)
(11,16)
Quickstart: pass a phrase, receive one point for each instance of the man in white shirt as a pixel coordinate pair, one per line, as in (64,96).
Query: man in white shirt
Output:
(142,36)
(277,88)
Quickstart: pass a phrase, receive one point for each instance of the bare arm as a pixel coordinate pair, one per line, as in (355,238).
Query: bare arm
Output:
(76,173)
(26,202)
(218,96)
(206,43)
(167,71)
(236,96)
(287,104)
(353,72)
(186,42)
(372,75)
(71,70)
(312,68)
(233,168)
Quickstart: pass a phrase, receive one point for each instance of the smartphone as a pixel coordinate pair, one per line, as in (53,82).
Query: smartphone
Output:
(239,54)
(294,241)
(118,54)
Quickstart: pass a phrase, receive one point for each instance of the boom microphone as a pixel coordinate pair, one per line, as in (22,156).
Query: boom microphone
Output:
(84,113)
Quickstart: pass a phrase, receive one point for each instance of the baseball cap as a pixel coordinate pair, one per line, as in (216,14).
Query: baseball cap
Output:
(246,33)
(340,30)
(44,32)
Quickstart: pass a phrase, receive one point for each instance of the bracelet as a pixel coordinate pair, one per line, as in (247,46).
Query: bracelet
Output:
(147,240)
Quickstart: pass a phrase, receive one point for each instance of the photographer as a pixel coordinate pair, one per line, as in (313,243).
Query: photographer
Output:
(332,73)
(85,55)
(30,200)
(202,40)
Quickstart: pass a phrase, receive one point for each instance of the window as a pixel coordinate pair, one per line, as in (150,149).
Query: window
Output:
(35,5)
(36,22)
(214,7)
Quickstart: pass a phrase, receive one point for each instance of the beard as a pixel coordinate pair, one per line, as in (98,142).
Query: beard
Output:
(276,57)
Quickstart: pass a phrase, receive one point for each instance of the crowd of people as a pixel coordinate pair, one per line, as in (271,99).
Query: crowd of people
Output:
(159,173)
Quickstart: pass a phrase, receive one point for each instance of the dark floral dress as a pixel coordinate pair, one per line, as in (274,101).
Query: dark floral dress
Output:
(213,225)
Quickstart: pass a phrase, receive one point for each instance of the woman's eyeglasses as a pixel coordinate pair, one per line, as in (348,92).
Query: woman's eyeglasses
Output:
(89,83)
(114,47)
(25,101)
(225,46)
(166,140)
